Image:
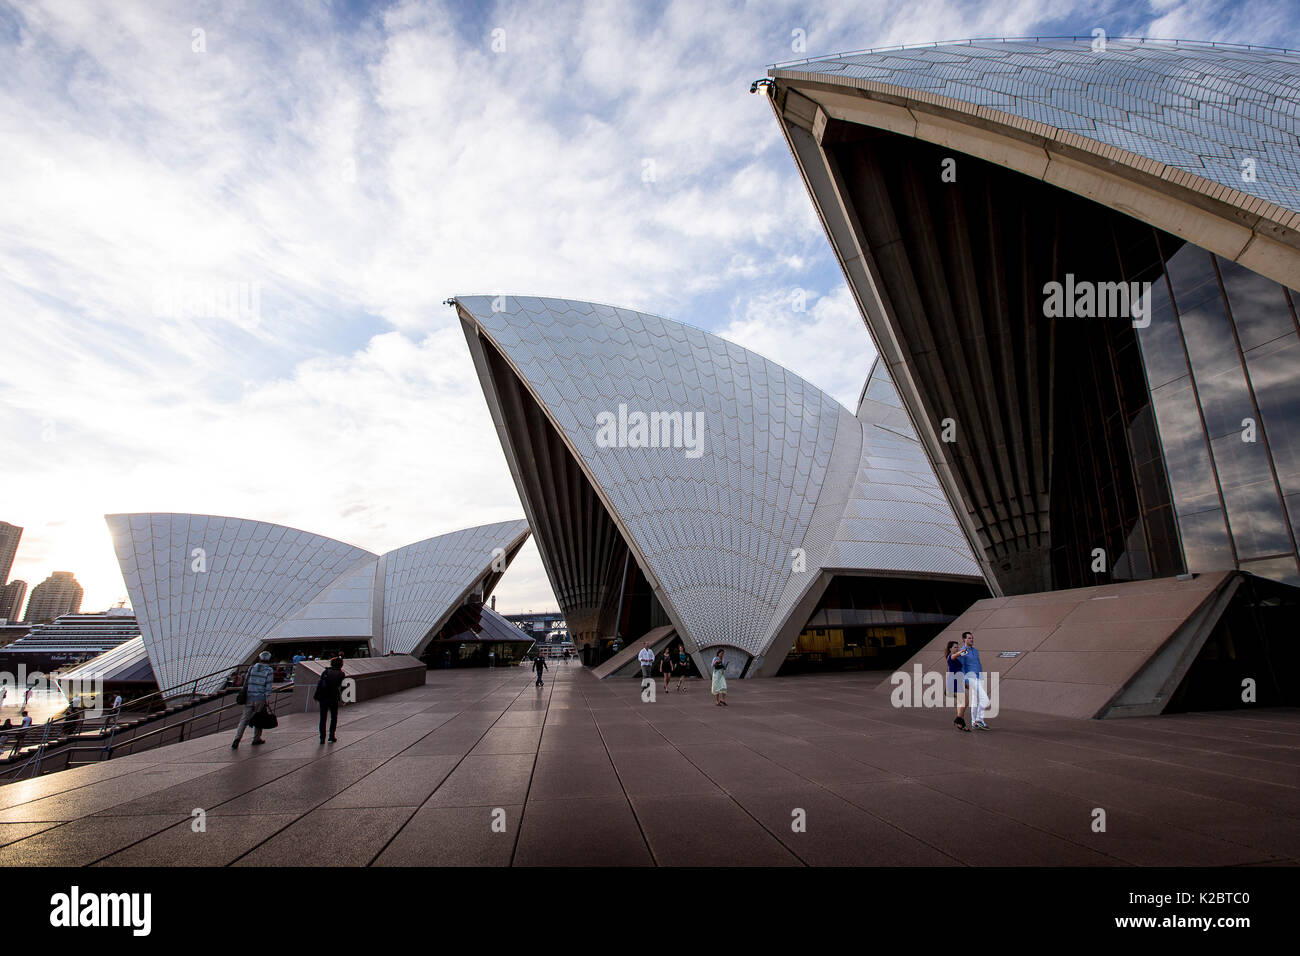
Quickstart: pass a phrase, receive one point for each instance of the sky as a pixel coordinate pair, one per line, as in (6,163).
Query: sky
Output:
(227,231)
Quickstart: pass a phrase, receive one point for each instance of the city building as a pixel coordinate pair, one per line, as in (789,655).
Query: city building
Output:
(213,592)
(11,592)
(69,639)
(57,595)
(11,600)
(1078,259)
(10,535)
(682,488)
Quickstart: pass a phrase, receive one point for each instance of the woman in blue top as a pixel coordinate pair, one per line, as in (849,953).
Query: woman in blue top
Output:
(956,684)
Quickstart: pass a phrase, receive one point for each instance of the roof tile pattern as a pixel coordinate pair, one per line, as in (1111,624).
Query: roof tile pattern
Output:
(423,581)
(717,530)
(1198,107)
(208,590)
(201,612)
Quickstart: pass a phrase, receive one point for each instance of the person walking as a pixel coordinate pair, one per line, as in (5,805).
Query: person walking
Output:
(666,667)
(539,665)
(955,683)
(257,690)
(682,668)
(328,692)
(647,659)
(973,673)
(719,680)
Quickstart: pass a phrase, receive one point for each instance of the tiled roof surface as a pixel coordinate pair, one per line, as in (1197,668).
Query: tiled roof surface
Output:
(1203,108)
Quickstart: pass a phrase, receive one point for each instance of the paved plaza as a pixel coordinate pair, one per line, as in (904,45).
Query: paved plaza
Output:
(482,768)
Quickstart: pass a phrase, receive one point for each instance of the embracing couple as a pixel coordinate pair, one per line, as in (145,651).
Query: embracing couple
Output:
(966,682)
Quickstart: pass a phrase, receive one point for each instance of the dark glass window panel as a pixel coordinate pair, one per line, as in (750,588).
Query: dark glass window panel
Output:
(1162,346)
(1254,511)
(1187,457)
(1225,400)
(1275,375)
(1210,343)
(1142,438)
(1292,505)
(1276,569)
(1151,485)
(1259,306)
(1205,541)
(1166,553)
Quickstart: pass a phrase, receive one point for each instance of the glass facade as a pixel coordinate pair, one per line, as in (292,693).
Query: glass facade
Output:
(869,623)
(1222,358)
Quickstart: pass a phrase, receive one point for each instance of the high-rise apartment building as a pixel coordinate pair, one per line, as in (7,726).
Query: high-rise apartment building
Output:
(57,595)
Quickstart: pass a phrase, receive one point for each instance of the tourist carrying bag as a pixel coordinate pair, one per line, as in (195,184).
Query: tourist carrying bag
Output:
(265,719)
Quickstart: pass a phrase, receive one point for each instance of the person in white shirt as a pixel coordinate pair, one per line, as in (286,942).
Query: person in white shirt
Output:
(647,659)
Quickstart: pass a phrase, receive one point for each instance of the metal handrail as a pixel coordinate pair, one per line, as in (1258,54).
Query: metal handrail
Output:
(192,683)
(107,747)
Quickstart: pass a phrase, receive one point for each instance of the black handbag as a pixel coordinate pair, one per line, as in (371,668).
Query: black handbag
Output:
(265,719)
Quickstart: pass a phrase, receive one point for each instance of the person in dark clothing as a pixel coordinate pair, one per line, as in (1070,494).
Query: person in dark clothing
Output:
(955,686)
(539,665)
(328,692)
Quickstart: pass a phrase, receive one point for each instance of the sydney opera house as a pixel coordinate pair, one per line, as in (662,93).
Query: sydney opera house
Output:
(211,592)
(1078,261)
(682,488)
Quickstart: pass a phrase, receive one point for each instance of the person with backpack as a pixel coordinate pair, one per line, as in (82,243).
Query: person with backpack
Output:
(539,665)
(254,697)
(328,692)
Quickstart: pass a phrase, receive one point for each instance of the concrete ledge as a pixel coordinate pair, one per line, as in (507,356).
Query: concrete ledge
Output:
(373,677)
(1109,650)
(625,664)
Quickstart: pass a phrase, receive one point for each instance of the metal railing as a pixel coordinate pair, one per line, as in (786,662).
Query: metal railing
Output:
(107,749)
(59,731)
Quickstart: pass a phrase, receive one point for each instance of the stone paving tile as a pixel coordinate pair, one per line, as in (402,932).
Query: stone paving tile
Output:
(302,790)
(404,781)
(818,764)
(1170,809)
(455,836)
(570,774)
(706,830)
(586,772)
(1129,837)
(661,774)
(82,842)
(328,838)
(1254,793)
(487,780)
(601,831)
(836,833)
(90,799)
(208,790)
(223,841)
(509,740)
(13,832)
(25,791)
(966,832)
(733,767)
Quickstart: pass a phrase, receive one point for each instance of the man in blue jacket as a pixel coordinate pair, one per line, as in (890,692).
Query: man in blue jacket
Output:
(257,689)
(973,673)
